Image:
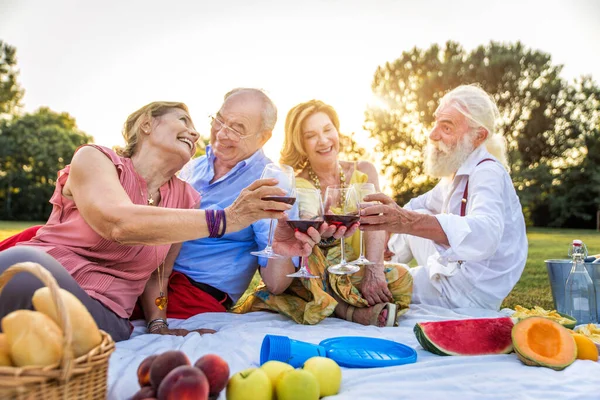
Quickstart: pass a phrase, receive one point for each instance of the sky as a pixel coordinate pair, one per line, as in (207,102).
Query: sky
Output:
(101,60)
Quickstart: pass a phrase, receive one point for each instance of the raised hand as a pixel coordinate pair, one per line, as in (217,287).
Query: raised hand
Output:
(250,207)
(289,243)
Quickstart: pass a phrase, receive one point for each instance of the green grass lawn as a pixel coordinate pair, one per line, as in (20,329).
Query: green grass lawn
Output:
(532,289)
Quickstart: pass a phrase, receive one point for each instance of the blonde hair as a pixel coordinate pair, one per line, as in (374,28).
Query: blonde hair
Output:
(293,152)
(132,126)
(481,112)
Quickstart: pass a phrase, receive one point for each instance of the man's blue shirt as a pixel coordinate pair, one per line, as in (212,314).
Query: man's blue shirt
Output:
(224,263)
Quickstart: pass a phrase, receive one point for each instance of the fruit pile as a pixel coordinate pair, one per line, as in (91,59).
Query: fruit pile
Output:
(539,341)
(275,380)
(34,338)
(171,376)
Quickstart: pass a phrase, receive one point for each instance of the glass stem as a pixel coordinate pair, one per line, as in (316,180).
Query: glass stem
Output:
(270,239)
(362,253)
(343,255)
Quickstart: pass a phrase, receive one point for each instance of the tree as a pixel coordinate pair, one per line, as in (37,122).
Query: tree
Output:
(536,106)
(11,92)
(33,148)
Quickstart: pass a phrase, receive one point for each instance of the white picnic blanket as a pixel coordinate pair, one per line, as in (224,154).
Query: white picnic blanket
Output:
(239,338)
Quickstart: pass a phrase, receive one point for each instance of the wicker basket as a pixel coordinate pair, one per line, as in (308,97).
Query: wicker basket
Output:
(80,378)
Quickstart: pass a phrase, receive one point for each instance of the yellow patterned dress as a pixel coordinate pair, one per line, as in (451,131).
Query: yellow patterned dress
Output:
(309,301)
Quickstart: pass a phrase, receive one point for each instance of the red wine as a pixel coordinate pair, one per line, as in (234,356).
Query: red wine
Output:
(339,220)
(303,225)
(280,199)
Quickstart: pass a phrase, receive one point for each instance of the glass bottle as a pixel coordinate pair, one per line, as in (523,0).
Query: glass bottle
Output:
(580,294)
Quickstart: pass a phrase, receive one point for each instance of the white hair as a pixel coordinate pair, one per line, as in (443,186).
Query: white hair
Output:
(481,112)
(269,111)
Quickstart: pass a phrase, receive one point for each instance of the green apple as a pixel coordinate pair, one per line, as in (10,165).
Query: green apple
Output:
(297,384)
(274,369)
(249,384)
(327,372)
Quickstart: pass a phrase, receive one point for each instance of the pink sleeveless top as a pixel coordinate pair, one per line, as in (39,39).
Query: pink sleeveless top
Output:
(109,272)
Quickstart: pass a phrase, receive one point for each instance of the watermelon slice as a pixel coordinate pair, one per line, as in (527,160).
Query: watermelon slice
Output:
(466,337)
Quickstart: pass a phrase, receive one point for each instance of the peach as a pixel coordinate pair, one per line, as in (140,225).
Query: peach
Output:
(216,370)
(165,363)
(146,392)
(184,383)
(143,371)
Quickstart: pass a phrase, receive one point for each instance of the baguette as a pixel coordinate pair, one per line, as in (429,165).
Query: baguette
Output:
(33,338)
(86,335)
(5,360)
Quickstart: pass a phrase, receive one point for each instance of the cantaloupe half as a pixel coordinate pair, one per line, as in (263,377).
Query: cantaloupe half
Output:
(541,342)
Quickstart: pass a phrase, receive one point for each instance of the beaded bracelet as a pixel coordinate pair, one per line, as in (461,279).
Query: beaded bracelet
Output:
(213,222)
(157,320)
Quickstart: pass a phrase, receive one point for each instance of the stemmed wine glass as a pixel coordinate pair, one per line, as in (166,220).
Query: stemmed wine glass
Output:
(306,212)
(287,181)
(341,208)
(362,189)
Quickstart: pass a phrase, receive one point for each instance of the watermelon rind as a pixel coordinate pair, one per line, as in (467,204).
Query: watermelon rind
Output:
(430,345)
(570,325)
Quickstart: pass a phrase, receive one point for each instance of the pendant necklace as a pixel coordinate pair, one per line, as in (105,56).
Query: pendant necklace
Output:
(162,300)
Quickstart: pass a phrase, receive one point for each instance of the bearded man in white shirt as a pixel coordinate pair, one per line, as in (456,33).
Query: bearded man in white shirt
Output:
(468,233)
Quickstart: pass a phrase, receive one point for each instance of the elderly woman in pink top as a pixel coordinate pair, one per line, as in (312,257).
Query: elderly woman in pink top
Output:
(115,216)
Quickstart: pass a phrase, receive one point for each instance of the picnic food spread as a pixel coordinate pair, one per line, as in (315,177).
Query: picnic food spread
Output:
(170,375)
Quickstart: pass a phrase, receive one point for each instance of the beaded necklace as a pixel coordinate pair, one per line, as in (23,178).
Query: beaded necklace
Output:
(315,179)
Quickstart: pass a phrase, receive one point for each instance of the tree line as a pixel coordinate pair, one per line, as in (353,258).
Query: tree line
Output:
(552,127)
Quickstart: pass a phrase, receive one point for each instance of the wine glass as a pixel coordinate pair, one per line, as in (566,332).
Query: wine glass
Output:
(287,181)
(341,209)
(306,212)
(362,189)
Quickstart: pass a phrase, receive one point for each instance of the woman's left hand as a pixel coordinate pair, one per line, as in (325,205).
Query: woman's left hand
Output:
(330,230)
(290,243)
(374,287)
(181,332)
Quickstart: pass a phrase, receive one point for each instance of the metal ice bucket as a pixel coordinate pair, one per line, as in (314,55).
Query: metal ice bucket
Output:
(558,272)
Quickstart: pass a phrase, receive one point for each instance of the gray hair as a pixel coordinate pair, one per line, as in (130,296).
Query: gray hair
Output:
(481,112)
(269,111)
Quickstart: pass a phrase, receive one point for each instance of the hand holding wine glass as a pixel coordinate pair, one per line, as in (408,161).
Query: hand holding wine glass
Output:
(363,190)
(342,210)
(287,182)
(306,213)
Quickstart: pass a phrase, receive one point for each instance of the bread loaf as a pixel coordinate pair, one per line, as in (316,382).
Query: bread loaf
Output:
(5,360)
(86,335)
(33,338)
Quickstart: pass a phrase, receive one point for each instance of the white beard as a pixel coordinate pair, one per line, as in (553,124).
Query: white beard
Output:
(442,161)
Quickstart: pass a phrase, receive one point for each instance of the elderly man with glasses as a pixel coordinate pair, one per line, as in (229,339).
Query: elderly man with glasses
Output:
(209,275)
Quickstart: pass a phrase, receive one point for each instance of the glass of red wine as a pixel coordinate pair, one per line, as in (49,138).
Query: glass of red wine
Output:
(287,181)
(363,189)
(341,209)
(306,212)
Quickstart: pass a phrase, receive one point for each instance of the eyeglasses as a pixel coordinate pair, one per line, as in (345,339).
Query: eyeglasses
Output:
(232,133)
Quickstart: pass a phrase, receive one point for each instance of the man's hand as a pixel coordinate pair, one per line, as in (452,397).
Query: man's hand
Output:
(389,216)
(374,287)
(290,243)
(386,216)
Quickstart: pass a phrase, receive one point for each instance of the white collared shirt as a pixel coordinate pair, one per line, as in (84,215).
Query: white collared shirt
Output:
(490,239)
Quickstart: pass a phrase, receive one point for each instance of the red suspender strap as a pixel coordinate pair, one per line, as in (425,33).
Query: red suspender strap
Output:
(463,206)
